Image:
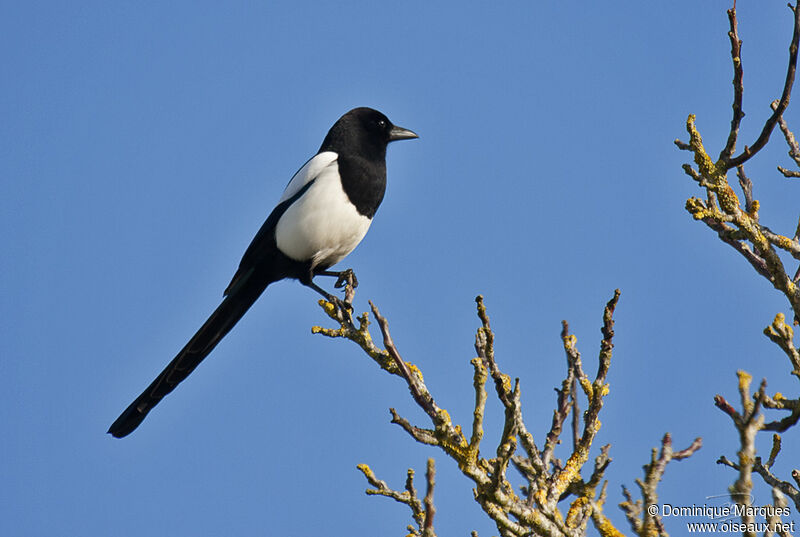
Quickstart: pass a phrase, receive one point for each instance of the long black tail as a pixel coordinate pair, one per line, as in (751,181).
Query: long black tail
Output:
(233,307)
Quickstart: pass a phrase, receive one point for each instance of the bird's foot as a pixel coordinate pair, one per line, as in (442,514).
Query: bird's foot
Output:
(341,304)
(346,278)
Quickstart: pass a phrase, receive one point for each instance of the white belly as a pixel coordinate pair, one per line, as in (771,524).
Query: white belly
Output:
(322,226)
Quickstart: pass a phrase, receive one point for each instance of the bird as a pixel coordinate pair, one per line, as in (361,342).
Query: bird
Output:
(323,214)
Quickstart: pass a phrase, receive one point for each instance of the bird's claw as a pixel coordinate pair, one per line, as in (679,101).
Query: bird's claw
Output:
(346,277)
(341,304)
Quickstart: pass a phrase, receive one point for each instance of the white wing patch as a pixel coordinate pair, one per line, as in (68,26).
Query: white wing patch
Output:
(309,171)
(322,226)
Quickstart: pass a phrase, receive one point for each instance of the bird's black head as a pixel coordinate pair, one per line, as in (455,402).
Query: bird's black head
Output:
(364,132)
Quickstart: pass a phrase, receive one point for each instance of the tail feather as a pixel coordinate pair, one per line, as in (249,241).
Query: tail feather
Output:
(224,318)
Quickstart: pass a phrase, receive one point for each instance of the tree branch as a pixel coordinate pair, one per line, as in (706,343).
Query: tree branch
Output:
(643,521)
(738,86)
(783,102)
(548,481)
(422,511)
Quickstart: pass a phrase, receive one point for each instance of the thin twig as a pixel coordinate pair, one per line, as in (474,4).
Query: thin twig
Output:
(783,102)
(747,190)
(794,148)
(738,86)
(430,510)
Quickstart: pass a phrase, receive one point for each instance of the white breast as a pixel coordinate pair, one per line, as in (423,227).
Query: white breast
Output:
(322,226)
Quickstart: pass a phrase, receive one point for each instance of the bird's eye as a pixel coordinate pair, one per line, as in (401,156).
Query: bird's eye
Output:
(382,123)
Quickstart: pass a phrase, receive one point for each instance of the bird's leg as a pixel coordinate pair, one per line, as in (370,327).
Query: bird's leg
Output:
(343,278)
(338,302)
(347,279)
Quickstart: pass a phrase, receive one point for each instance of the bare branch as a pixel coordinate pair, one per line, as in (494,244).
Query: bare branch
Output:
(643,521)
(576,413)
(479,383)
(738,87)
(422,513)
(788,173)
(776,448)
(421,395)
(548,483)
(782,335)
(794,148)
(783,102)
(430,510)
(747,189)
(423,436)
(747,423)
(726,234)
(784,486)
(762,255)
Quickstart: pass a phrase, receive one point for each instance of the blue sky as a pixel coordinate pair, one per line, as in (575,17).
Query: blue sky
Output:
(142,146)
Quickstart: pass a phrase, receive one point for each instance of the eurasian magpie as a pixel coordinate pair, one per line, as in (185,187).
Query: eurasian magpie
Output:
(323,214)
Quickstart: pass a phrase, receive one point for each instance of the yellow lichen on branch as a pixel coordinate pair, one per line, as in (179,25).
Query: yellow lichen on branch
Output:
(735,225)
(604,526)
(548,480)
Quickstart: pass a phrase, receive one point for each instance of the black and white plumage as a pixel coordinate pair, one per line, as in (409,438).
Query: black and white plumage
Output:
(324,212)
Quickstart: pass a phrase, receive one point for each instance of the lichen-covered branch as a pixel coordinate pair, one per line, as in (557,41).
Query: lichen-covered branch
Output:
(421,510)
(548,480)
(748,423)
(785,487)
(642,520)
(782,335)
(736,225)
(722,211)
(741,228)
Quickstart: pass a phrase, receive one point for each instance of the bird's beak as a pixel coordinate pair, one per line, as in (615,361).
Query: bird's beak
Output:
(399,133)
